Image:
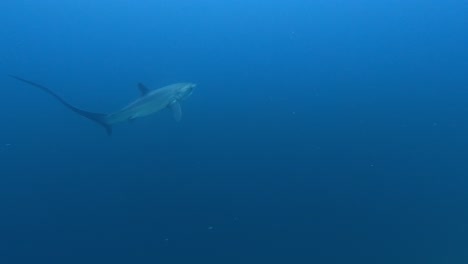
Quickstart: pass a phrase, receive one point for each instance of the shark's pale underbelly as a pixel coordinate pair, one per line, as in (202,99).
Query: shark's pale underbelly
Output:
(132,112)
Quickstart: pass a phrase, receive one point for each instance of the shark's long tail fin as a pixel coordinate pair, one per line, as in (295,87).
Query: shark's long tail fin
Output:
(96,117)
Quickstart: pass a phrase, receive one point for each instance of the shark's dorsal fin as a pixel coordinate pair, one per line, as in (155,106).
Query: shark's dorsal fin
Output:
(143,89)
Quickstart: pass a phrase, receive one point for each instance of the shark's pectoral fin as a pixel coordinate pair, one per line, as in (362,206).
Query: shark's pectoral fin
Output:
(131,119)
(176,111)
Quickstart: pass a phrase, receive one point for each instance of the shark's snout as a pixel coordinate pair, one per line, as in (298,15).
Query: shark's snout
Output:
(188,90)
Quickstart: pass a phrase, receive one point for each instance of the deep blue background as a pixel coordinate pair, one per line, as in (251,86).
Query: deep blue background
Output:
(326,131)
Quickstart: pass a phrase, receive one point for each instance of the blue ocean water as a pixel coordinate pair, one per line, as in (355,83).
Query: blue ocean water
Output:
(323,131)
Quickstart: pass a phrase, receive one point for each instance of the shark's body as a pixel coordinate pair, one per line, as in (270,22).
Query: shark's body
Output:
(150,102)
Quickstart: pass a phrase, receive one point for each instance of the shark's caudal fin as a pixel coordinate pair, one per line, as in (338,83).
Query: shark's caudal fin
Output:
(96,117)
